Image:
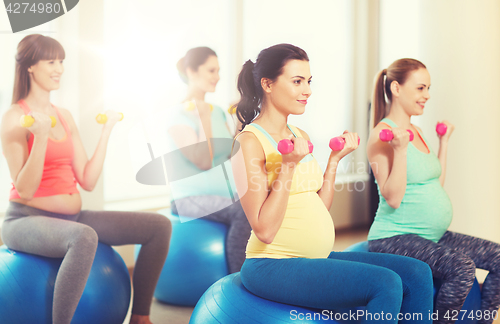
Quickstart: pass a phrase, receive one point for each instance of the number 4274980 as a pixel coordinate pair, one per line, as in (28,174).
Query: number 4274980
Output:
(20,8)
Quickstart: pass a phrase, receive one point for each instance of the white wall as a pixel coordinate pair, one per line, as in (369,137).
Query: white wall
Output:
(460,44)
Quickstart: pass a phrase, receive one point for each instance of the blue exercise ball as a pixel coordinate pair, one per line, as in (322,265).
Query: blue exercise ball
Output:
(227,302)
(27,288)
(196,259)
(472,302)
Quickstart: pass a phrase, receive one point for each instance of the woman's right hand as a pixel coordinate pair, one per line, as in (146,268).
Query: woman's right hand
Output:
(42,124)
(401,138)
(300,150)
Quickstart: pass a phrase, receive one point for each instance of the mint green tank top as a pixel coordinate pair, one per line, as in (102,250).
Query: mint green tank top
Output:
(425,210)
(216,181)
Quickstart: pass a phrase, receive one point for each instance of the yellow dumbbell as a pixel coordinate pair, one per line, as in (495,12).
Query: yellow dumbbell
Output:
(190,105)
(28,120)
(232,109)
(102,118)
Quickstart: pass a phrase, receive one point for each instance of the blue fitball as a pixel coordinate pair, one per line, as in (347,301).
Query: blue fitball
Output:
(27,288)
(227,301)
(196,259)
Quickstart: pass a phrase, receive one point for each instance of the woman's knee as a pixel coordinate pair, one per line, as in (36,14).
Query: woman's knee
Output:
(161,227)
(491,260)
(163,223)
(387,285)
(418,271)
(387,282)
(457,266)
(84,237)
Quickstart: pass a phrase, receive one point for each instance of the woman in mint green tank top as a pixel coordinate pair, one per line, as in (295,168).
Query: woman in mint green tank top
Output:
(199,134)
(414,210)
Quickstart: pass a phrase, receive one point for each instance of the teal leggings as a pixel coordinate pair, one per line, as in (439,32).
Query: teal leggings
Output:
(387,285)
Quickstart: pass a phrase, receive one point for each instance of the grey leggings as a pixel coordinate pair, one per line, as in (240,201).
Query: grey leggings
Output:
(222,210)
(453,260)
(75,237)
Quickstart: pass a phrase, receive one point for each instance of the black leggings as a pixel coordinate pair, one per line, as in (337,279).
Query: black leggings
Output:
(453,260)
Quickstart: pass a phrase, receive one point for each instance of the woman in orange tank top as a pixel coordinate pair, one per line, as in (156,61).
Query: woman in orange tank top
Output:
(45,164)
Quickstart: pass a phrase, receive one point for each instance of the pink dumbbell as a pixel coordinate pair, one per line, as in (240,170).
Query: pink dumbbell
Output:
(337,143)
(386,135)
(285,146)
(441,128)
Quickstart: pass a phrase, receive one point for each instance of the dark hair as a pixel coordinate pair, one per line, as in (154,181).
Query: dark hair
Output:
(193,59)
(398,71)
(30,50)
(269,65)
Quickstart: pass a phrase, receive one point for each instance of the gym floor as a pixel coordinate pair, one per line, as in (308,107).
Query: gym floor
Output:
(163,313)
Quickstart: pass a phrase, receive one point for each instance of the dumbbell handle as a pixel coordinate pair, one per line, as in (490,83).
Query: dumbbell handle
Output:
(337,143)
(285,146)
(386,135)
(103,119)
(441,128)
(28,120)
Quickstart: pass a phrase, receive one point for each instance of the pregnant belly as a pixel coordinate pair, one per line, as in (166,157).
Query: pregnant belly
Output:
(307,231)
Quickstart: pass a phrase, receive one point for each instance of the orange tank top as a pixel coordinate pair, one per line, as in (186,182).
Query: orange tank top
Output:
(58,177)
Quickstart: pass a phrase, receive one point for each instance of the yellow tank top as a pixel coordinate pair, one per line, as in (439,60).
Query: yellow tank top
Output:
(307,230)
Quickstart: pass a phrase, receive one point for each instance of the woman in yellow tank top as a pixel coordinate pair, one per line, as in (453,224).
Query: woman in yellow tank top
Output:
(286,199)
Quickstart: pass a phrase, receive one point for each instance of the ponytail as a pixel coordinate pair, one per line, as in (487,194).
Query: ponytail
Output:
(248,107)
(379,105)
(269,65)
(398,71)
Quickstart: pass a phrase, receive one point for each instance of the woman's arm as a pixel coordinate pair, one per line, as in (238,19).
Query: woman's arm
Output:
(443,150)
(87,171)
(388,163)
(184,136)
(25,168)
(327,190)
(264,209)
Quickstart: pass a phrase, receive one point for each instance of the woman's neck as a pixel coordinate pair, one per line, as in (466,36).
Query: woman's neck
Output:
(39,100)
(195,93)
(273,121)
(399,116)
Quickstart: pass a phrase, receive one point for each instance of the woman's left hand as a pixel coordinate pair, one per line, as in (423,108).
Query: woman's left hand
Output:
(351,143)
(113,118)
(449,131)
